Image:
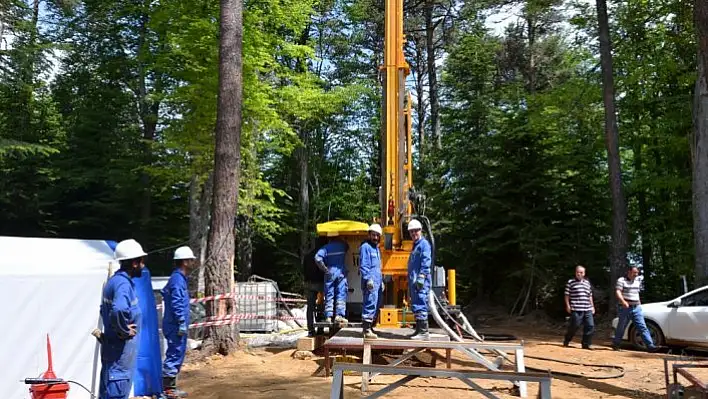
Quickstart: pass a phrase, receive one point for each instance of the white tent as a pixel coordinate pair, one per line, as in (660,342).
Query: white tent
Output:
(51,286)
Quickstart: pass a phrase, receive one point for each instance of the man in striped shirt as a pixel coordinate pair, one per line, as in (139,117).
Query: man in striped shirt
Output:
(629,308)
(579,303)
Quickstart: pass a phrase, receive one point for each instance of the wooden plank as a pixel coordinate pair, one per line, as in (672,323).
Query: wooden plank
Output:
(306,344)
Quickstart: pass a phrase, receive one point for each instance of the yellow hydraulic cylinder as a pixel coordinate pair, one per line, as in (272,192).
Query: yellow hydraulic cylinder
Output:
(451,290)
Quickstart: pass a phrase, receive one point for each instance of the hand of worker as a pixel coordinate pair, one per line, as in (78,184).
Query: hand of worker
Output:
(625,304)
(567,308)
(420,282)
(182,329)
(593,310)
(370,285)
(132,330)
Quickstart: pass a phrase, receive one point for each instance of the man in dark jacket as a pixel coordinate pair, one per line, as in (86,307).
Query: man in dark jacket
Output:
(314,283)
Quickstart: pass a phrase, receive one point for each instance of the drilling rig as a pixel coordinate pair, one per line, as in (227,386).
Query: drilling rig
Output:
(398,199)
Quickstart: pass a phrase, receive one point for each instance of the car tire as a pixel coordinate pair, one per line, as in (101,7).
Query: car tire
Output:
(654,330)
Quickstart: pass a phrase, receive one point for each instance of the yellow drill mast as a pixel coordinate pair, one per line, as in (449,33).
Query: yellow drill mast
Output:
(396,160)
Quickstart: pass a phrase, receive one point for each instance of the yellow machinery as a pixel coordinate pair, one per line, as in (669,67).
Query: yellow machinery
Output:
(396,182)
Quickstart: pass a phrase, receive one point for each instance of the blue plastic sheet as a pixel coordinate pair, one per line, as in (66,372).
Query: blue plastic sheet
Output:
(148,374)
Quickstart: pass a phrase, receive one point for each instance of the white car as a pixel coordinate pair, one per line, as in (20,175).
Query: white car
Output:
(680,322)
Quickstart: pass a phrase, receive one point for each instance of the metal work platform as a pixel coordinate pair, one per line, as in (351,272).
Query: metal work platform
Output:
(418,346)
(350,338)
(411,373)
(674,390)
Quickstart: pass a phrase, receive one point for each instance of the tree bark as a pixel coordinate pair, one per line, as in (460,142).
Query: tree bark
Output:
(199,211)
(531,31)
(244,226)
(420,62)
(647,247)
(618,257)
(432,74)
(303,164)
(219,273)
(699,147)
(149,111)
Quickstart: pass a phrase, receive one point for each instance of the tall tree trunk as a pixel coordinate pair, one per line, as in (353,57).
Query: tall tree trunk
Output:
(647,247)
(199,209)
(531,32)
(618,257)
(699,147)
(432,73)
(219,273)
(244,225)
(303,165)
(420,107)
(148,110)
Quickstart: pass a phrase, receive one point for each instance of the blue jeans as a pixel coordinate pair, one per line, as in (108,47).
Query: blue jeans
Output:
(576,319)
(633,313)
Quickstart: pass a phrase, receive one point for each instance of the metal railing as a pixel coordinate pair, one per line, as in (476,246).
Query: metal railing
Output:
(411,373)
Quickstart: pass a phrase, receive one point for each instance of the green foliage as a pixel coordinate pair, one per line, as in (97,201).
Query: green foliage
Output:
(518,194)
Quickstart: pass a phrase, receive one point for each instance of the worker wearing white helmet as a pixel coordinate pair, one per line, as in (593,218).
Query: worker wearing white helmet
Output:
(175,321)
(371,283)
(419,280)
(121,316)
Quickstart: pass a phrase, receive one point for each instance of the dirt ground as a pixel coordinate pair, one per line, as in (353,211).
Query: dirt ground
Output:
(275,373)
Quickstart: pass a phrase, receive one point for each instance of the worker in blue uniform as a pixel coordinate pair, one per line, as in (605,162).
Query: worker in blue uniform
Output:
(331,259)
(175,321)
(419,279)
(371,282)
(314,284)
(121,316)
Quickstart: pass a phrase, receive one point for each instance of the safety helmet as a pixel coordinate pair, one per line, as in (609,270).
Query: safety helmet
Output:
(414,225)
(128,249)
(184,253)
(376,228)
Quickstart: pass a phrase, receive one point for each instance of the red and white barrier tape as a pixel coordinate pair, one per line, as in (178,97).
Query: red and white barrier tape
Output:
(242,296)
(235,318)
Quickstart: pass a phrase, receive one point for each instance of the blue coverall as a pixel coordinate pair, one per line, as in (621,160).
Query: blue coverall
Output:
(119,308)
(370,268)
(419,263)
(333,256)
(176,299)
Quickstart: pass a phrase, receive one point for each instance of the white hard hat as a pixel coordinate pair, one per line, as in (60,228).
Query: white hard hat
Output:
(128,249)
(184,253)
(376,228)
(414,225)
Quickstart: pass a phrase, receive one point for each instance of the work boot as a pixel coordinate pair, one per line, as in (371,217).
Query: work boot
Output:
(169,388)
(341,320)
(416,330)
(328,320)
(423,334)
(367,331)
